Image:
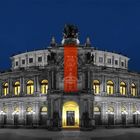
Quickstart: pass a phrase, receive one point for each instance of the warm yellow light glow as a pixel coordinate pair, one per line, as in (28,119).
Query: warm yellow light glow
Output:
(110,87)
(133,89)
(16,109)
(44,86)
(70,106)
(30,87)
(44,109)
(123,109)
(5,89)
(134,109)
(96,109)
(29,109)
(17,88)
(5,109)
(96,86)
(110,109)
(122,88)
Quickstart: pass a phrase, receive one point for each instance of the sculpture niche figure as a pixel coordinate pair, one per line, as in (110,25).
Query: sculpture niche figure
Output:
(89,58)
(52,58)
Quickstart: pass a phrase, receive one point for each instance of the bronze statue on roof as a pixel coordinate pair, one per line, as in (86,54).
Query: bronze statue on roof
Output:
(70,31)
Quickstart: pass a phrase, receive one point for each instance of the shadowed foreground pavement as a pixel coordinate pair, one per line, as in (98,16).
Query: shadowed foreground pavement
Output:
(126,136)
(98,134)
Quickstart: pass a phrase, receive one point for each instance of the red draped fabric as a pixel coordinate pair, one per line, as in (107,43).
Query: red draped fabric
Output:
(70,68)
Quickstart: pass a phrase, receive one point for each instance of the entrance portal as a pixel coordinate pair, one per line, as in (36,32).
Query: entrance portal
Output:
(70,115)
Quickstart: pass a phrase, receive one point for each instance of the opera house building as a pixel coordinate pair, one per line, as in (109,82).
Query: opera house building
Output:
(69,85)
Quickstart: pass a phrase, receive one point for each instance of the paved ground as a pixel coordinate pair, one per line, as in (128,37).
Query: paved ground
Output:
(97,134)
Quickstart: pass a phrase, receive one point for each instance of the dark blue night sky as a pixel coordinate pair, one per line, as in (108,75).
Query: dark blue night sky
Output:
(112,25)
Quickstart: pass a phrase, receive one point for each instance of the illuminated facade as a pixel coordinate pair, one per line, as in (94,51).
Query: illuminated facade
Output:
(69,86)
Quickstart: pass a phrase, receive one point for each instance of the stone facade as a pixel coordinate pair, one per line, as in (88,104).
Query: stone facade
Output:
(109,105)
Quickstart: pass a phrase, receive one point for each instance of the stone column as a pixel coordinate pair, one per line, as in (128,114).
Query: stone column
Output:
(118,86)
(130,113)
(52,79)
(9,114)
(128,88)
(24,87)
(1,108)
(138,89)
(60,110)
(37,85)
(49,112)
(10,92)
(1,88)
(104,59)
(120,62)
(103,85)
(118,113)
(37,111)
(81,109)
(22,113)
(21,86)
(49,80)
(88,79)
(83,81)
(103,113)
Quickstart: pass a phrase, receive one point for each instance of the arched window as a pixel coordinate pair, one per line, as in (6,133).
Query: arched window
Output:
(44,110)
(111,109)
(16,109)
(30,87)
(44,86)
(133,89)
(123,109)
(29,109)
(122,88)
(17,88)
(96,86)
(110,87)
(5,89)
(96,109)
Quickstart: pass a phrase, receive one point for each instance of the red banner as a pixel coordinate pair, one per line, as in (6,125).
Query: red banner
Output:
(70,68)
